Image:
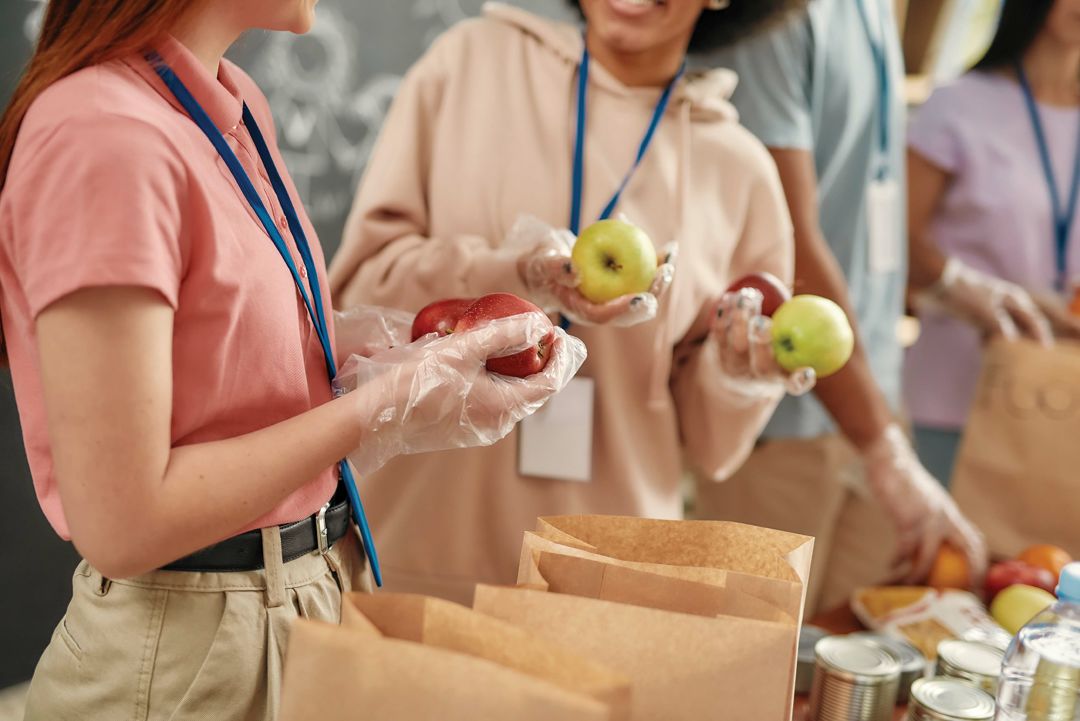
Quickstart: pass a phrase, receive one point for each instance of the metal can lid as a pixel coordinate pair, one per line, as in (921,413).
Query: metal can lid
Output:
(909,657)
(972,657)
(857,659)
(946,699)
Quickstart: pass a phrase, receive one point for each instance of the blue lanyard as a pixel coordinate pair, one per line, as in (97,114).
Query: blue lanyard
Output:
(1063,216)
(313,302)
(579,144)
(578,175)
(881,64)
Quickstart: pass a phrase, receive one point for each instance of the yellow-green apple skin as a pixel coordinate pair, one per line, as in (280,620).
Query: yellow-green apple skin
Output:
(809,331)
(1018,604)
(613,258)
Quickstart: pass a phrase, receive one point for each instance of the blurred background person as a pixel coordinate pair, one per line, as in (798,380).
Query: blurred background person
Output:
(483,130)
(994,167)
(824,93)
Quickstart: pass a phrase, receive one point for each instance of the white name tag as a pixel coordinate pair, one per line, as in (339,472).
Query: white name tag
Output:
(884,221)
(556,441)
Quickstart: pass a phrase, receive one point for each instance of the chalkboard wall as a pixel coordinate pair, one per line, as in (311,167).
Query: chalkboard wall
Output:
(329,91)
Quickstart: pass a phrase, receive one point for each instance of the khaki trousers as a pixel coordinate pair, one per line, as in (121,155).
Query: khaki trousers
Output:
(814,487)
(178,645)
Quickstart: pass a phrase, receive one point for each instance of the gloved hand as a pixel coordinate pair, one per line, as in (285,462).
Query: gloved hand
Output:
(993,305)
(365,330)
(545,266)
(1063,322)
(435,394)
(923,512)
(743,338)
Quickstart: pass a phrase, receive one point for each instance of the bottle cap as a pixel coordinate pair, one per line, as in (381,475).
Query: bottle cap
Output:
(1069,583)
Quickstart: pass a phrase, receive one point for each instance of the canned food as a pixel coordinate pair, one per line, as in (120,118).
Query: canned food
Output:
(912,663)
(976,663)
(855,680)
(949,699)
(804,668)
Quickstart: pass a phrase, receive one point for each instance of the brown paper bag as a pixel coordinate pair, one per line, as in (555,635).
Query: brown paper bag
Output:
(413,658)
(702,616)
(1018,470)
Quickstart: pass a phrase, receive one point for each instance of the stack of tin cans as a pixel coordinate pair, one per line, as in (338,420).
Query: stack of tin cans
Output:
(855,679)
(949,699)
(912,663)
(969,661)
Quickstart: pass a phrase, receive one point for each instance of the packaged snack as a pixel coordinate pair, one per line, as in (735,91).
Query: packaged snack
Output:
(924,617)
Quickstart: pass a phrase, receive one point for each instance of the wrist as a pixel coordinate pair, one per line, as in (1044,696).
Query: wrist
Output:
(952,270)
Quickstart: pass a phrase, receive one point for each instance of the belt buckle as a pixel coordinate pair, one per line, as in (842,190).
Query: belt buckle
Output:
(322,537)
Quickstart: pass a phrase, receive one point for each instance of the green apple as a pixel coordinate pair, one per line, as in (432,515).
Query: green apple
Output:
(1018,604)
(613,258)
(809,331)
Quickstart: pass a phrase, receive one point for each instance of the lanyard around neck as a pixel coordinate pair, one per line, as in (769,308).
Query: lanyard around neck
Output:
(579,144)
(1064,209)
(310,292)
(881,65)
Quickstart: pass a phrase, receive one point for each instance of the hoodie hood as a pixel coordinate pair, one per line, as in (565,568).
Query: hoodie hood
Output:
(707,93)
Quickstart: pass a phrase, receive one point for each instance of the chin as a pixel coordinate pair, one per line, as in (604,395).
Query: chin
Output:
(624,39)
(304,20)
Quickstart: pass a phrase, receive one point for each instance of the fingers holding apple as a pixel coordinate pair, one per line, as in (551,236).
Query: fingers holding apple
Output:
(744,338)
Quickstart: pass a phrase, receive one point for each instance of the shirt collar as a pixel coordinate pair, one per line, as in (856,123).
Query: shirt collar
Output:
(219,97)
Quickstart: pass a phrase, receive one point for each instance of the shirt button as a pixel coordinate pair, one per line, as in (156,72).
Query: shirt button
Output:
(283,222)
(303,272)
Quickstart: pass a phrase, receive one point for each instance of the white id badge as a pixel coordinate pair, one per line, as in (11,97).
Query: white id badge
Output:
(556,441)
(884,221)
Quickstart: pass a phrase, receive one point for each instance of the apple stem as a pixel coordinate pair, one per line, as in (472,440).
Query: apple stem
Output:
(612,264)
(787,344)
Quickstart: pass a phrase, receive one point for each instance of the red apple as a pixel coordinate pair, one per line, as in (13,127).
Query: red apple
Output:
(440,317)
(773,291)
(504,305)
(1009,573)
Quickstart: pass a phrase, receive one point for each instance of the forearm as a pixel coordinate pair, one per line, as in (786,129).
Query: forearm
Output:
(851,396)
(719,421)
(209,491)
(926,262)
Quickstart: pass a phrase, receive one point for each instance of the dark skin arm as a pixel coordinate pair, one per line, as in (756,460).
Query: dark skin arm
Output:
(851,395)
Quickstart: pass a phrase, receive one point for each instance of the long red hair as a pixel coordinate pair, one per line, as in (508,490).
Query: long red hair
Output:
(76,34)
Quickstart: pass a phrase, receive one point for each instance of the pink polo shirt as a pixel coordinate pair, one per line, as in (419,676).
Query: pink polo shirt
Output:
(111,183)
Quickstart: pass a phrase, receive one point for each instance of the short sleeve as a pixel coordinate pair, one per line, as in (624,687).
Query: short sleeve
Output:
(96,202)
(773,94)
(934,132)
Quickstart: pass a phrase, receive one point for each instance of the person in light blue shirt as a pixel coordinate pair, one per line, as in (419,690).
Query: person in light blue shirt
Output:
(823,92)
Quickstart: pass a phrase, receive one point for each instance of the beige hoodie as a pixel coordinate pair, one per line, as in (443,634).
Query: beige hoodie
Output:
(480,133)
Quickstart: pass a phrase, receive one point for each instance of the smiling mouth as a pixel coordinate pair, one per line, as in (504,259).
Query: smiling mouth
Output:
(641,3)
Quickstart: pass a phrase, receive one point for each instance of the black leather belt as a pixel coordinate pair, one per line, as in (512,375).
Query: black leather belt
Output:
(244,552)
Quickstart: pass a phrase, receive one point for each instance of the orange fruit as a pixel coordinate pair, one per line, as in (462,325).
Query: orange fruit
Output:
(1043,555)
(950,569)
(1074,306)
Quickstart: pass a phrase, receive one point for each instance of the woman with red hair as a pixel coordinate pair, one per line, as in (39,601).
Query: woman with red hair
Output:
(166,314)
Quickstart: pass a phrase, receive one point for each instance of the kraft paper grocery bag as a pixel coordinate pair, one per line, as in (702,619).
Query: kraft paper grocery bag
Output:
(1018,470)
(414,658)
(702,616)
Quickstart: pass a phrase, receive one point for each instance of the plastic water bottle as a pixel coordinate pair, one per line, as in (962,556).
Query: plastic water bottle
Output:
(1040,677)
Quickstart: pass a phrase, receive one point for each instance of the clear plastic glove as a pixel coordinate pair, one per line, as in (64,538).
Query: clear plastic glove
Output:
(365,330)
(744,344)
(995,306)
(923,512)
(549,274)
(1063,322)
(435,394)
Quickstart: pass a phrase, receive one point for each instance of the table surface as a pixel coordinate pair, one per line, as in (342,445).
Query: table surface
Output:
(840,620)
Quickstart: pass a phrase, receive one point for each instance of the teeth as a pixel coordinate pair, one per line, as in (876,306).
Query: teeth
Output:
(641,3)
